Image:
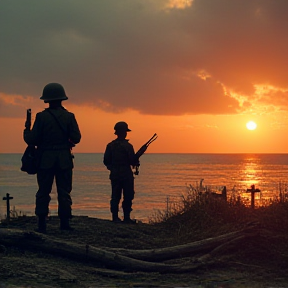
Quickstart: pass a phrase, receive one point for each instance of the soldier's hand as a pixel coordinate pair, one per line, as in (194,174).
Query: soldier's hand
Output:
(27,125)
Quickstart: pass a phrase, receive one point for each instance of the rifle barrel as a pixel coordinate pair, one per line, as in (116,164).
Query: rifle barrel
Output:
(28,119)
(153,138)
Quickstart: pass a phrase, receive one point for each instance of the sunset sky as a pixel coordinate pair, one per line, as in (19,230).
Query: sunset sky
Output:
(195,72)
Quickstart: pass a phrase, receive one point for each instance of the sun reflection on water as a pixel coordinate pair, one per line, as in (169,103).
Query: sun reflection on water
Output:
(161,176)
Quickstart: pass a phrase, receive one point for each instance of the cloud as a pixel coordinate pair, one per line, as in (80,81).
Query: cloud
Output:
(270,96)
(145,55)
(12,106)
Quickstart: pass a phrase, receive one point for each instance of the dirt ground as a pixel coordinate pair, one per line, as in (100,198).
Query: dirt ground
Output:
(261,262)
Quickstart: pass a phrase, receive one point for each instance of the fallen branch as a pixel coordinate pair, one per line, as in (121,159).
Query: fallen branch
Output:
(179,251)
(221,249)
(36,241)
(121,259)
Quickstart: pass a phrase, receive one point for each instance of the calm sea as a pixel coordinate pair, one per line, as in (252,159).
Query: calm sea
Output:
(162,180)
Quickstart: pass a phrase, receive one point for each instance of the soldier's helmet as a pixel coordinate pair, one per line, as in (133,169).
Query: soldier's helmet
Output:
(121,127)
(52,92)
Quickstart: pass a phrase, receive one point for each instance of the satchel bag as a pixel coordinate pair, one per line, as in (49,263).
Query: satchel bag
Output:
(29,160)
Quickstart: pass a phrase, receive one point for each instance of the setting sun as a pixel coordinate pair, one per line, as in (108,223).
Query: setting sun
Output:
(251,125)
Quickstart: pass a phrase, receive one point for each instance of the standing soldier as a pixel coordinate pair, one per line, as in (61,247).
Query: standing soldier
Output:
(55,132)
(118,158)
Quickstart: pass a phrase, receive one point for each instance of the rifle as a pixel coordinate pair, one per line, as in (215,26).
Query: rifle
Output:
(142,150)
(28,119)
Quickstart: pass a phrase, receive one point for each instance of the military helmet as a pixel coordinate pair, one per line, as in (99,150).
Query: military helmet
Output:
(52,92)
(121,126)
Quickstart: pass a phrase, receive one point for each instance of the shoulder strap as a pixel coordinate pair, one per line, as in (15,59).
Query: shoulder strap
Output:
(58,122)
(71,144)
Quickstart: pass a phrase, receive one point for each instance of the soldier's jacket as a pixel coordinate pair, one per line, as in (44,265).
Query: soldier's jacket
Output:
(51,141)
(119,156)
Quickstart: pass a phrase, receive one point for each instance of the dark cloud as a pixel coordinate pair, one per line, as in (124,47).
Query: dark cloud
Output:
(135,54)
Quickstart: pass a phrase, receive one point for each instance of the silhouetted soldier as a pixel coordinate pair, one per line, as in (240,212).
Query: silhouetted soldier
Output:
(118,158)
(55,132)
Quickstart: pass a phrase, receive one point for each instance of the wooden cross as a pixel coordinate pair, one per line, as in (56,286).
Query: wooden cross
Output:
(252,191)
(8,198)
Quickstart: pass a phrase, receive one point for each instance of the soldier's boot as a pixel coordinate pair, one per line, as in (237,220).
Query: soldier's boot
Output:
(64,224)
(115,217)
(41,224)
(127,218)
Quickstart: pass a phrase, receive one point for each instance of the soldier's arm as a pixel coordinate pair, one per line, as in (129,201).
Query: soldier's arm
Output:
(32,137)
(74,131)
(134,160)
(107,160)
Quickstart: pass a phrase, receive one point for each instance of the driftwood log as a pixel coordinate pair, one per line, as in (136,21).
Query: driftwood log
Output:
(179,251)
(122,259)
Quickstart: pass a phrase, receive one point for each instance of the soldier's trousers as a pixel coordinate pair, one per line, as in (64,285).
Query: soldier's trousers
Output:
(119,185)
(45,178)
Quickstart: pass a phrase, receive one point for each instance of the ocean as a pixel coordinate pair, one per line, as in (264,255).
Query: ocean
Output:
(163,180)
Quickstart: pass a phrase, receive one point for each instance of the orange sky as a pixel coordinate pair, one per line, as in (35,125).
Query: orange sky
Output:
(176,134)
(195,72)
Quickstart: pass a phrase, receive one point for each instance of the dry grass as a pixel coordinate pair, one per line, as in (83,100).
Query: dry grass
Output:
(199,212)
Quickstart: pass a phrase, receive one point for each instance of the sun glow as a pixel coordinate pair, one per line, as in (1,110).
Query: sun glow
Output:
(251,125)
(179,4)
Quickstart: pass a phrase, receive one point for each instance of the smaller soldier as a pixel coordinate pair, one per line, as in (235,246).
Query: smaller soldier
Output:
(119,158)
